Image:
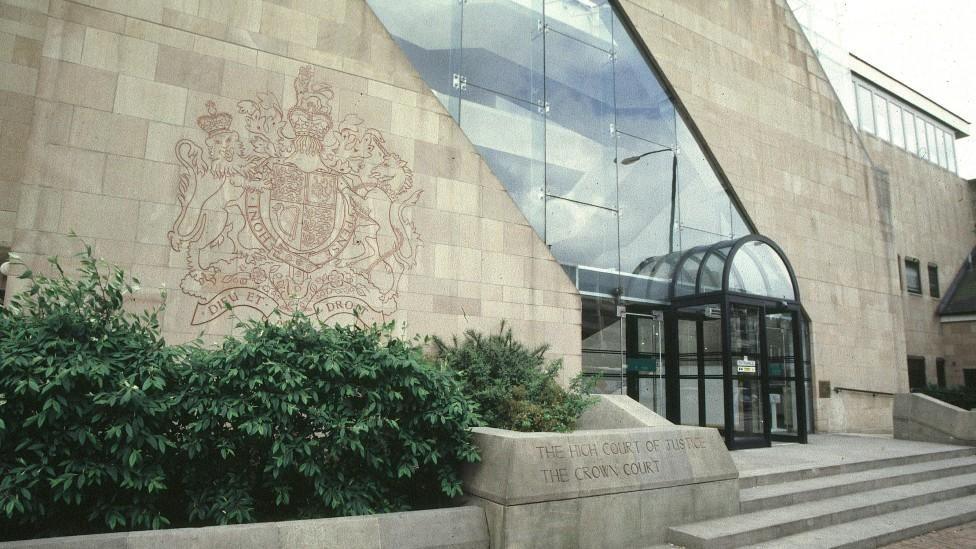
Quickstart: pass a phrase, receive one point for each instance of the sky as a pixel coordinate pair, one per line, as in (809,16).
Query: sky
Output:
(930,46)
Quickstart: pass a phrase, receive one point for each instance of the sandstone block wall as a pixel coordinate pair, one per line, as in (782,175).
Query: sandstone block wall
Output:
(935,222)
(763,104)
(98,94)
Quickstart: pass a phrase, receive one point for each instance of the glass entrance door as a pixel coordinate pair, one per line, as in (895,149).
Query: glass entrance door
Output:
(747,378)
(645,359)
(784,382)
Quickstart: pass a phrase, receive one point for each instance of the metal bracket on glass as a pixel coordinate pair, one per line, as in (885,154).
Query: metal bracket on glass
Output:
(459,82)
(612,55)
(542,106)
(541,26)
(613,129)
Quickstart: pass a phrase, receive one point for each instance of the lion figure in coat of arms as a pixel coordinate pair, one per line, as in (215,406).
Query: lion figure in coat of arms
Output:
(292,211)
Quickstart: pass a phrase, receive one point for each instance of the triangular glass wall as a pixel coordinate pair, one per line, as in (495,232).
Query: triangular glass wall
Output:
(568,114)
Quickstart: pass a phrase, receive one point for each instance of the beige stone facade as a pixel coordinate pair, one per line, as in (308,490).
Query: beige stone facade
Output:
(97,95)
(106,133)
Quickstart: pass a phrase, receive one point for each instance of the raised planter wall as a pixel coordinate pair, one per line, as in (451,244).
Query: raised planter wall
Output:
(921,417)
(452,528)
(601,487)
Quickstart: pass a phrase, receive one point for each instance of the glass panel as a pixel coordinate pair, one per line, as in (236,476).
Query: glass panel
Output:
(645,214)
(588,21)
(808,392)
(714,403)
(702,203)
(503,47)
(429,33)
(746,407)
(950,146)
(760,271)
(710,279)
(897,130)
(687,347)
(744,331)
(913,278)
(712,345)
(602,337)
(779,345)
(881,117)
(865,114)
(646,361)
(582,235)
(782,407)
(911,142)
(933,147)
(653,394)
(510,135)
(940,155)
(689,401)
(923,146)
(607,384)
(739,227)
(580,147)
(688,274)
(643,107)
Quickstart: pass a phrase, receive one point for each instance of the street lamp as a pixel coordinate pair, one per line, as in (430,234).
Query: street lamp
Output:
(631,159)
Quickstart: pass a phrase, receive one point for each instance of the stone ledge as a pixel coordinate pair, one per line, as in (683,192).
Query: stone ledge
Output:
(450,528)
(921,417)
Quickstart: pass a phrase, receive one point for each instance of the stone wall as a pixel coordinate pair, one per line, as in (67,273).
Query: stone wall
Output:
(190,142)
(934,223)
(763,104)
(449,528)
(22,31)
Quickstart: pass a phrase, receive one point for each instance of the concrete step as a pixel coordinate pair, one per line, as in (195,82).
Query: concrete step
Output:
(761,526)
(801,491)
(883,529)
(751,480)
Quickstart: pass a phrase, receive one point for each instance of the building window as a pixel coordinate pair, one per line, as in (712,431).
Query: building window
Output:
(911,141)
(865,113)
(923,145)
(913,276)
(969,378)
(940,371)
(883,115)
(881,118)
(897,130)
(933,280)
(916,373)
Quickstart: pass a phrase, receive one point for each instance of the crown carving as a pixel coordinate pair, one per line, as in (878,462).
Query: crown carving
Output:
(311,115)
(214,122)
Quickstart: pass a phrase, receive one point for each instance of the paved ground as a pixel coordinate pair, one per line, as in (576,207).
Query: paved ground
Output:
(957,537)
(824,450)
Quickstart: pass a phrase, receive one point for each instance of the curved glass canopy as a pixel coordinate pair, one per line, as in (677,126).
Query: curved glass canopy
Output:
(752,265)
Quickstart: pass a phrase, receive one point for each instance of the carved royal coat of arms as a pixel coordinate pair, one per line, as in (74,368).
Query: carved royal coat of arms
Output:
(303,214)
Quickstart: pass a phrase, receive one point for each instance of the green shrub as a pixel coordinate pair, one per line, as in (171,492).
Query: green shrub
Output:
(86,403)
(296,420)
(105,427)
(963,397)
(513,385)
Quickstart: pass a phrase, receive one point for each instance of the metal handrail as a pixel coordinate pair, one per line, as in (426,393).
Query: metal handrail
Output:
(865,391)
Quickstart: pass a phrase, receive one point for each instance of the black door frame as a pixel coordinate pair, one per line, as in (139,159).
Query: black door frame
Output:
(726,300)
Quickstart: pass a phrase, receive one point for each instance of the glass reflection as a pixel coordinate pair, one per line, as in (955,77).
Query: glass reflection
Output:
(510,135)
(583,235)
(760,270)
(429,33)
(579,141)
(643,107)
(503,47)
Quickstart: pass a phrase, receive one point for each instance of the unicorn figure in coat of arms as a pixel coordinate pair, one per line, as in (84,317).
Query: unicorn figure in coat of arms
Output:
(302,215)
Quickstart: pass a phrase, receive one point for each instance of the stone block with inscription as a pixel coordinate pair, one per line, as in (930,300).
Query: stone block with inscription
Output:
(600,487)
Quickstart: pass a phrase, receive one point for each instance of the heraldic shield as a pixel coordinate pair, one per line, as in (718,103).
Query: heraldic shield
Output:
(302,215)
